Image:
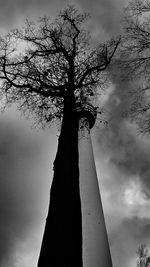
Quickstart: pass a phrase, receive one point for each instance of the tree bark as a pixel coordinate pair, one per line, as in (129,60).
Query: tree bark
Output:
(62,240)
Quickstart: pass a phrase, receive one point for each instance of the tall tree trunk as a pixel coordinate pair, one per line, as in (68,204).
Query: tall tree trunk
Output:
(62,240)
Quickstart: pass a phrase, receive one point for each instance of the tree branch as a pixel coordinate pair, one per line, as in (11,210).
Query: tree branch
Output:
(66,17)
(53,90)
(99,67)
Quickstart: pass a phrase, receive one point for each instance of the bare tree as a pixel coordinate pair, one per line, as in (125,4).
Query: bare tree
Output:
(143,256)
(55,69)
(136,42)
(135,60)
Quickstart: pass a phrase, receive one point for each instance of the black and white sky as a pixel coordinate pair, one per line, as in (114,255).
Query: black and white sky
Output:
(26,157)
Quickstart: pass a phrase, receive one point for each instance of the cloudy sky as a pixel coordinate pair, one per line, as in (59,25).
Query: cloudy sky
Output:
(26,157)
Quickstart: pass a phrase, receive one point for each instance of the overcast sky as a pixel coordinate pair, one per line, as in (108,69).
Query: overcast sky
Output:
(26,157)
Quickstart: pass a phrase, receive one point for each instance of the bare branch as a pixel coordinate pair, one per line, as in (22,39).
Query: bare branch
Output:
(135,60)
(50,61)
(105,61)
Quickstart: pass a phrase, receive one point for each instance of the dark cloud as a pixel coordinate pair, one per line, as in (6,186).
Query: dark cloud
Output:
(139,228)
(21,210)
(127,150)
(106,15)
(14,13)
(126,238)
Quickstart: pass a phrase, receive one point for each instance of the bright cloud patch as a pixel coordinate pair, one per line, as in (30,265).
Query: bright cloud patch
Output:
(133,194)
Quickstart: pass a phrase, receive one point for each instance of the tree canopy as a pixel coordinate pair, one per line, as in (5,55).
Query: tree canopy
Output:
(143,256)
(136,41)
(135,60)
(46,60)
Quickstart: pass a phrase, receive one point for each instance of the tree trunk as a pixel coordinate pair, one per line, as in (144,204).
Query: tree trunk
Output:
(62,240)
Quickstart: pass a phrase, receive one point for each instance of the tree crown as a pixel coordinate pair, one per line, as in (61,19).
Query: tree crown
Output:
(135,61)
(143,256)
(55,59)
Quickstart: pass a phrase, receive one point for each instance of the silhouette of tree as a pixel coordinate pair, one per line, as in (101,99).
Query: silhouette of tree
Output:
(135,60)
(136,42)
(46,68)
(143,256)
